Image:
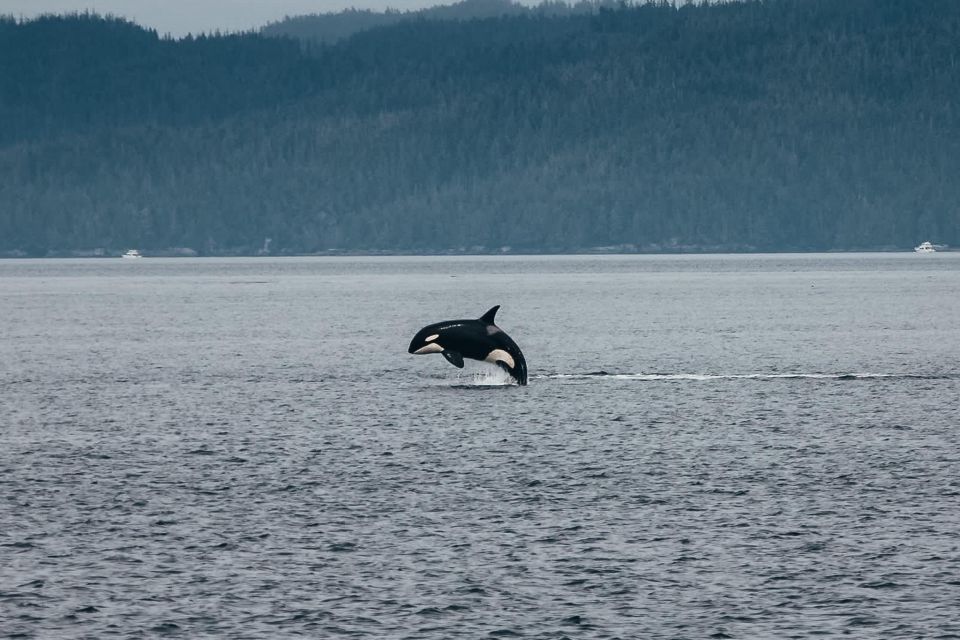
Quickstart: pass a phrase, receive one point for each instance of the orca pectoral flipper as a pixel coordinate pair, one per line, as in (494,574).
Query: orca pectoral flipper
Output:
(453,358)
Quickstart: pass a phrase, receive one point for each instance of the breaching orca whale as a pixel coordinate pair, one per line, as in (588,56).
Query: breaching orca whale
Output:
(477,339)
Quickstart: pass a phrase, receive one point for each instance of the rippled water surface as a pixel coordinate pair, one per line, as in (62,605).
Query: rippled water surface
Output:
(710,446)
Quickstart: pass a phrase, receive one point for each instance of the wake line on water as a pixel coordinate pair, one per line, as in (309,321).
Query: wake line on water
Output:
(493,377)
(706,377)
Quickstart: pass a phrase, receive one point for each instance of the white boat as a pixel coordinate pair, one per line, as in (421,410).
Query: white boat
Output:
(132,253)
(924,247)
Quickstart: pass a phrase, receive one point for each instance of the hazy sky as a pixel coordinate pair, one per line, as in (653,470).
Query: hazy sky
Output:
(179,17)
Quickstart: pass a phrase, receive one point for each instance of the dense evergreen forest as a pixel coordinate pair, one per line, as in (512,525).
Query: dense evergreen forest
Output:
(760,125)
(327,28)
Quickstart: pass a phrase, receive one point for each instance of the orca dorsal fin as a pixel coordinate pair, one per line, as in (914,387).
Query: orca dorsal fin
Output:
(489,315)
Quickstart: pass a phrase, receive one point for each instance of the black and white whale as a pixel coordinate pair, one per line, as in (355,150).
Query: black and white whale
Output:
(478,339)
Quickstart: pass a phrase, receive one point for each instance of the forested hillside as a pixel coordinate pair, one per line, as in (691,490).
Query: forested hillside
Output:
(327,28)
(775,125)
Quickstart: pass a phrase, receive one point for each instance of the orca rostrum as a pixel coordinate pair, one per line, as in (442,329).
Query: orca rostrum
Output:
(478,339)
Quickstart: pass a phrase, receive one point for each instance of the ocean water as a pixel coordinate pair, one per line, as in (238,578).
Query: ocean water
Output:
(759,446)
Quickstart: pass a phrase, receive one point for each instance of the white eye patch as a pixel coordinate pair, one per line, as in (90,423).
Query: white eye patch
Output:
(431,338)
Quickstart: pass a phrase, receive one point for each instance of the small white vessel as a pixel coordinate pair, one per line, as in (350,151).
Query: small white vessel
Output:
(132,253)
(924,247)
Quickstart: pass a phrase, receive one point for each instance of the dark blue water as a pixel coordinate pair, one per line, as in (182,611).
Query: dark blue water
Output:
(710,446)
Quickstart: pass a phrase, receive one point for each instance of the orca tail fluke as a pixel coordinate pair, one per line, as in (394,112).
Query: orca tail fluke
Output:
(520,370)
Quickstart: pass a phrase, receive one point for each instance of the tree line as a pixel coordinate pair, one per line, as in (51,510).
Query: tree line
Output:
(760,125)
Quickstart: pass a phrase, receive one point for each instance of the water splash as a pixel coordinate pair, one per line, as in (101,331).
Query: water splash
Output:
(486,377)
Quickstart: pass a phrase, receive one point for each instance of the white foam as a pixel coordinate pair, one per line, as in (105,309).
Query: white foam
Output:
(486,377)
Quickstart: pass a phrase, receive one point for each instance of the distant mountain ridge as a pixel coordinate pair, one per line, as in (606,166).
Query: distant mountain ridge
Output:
(776,125)
(328,28)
